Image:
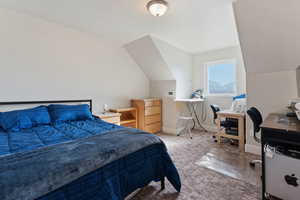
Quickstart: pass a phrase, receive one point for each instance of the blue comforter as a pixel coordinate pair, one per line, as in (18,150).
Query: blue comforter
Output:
(88,159)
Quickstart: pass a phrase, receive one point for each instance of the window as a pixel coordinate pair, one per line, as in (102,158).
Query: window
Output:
(221,77)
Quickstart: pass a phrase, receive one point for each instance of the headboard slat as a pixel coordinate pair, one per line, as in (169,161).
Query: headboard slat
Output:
(49,102)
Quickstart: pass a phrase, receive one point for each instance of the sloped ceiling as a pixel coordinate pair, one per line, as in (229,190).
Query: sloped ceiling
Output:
(269,32)
(145,53)
(191,25)
(161,61)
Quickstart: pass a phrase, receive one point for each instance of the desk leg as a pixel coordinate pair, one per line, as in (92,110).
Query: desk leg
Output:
(194,112)
(190,109)
(241,132)
(218,137)
(194,124)
(263,176)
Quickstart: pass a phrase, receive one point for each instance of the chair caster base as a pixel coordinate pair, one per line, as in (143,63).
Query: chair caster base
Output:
(252,165)
(254,162)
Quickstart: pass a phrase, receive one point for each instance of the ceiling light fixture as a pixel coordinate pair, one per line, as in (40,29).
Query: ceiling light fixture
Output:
(157,7)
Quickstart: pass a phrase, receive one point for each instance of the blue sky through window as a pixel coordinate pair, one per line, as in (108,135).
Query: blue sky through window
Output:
(221,78)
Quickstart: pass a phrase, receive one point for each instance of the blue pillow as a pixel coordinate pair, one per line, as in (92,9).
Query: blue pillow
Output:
(61,113)
(38,115)
(14,121)
(19,119)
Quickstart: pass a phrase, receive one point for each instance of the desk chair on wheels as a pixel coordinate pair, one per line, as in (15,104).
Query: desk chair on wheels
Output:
(215,109)
(257,120)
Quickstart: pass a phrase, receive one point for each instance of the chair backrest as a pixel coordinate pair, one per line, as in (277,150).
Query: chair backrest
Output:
(256,118)
(215,109)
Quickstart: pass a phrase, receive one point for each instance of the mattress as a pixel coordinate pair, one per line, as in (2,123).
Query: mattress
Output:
(88,159)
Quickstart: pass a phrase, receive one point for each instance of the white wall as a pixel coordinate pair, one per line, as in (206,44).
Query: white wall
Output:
(298,80)
(169,69)
(162,61)
(41,60)
(169,112)
(269,92)
(180,64)
(269,35)
(199,61)
(145,53)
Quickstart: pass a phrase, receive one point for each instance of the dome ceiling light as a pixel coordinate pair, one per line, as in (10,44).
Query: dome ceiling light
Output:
(157,7)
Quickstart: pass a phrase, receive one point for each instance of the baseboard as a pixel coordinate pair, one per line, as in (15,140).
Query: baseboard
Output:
(254,149)
(175,131)
(168,130)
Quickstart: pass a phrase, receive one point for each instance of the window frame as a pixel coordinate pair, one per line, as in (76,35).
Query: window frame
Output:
(206,77)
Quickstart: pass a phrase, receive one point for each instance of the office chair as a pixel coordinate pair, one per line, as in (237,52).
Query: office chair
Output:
(215,109)
(229,124)
(257,120)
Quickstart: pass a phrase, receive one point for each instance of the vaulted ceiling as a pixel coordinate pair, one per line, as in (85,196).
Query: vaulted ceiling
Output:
(191,25)
(147,55)
(269,31)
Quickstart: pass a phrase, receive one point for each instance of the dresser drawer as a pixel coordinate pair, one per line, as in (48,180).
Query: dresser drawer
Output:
(152,103)
(153,110)
(152,119)
(153,128)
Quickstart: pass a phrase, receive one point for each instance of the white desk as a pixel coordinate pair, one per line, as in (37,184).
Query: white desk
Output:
(192,106)
(189,100)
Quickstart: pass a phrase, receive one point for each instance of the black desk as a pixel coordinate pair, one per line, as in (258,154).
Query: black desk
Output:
(278,129)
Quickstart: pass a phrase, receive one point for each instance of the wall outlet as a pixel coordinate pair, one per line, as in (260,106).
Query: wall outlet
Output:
(105,108)
(171,93)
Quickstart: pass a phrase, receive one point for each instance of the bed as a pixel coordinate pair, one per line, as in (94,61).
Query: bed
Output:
(80,159)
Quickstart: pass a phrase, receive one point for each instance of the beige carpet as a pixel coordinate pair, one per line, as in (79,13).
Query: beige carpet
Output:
(208,171)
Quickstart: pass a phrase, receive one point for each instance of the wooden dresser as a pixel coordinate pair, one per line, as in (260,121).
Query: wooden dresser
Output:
(149,114)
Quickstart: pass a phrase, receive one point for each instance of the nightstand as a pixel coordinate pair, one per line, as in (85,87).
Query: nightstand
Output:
(110,117)
(128,116)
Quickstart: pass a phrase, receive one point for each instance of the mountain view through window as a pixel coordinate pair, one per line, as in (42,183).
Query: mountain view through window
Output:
(221,78)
